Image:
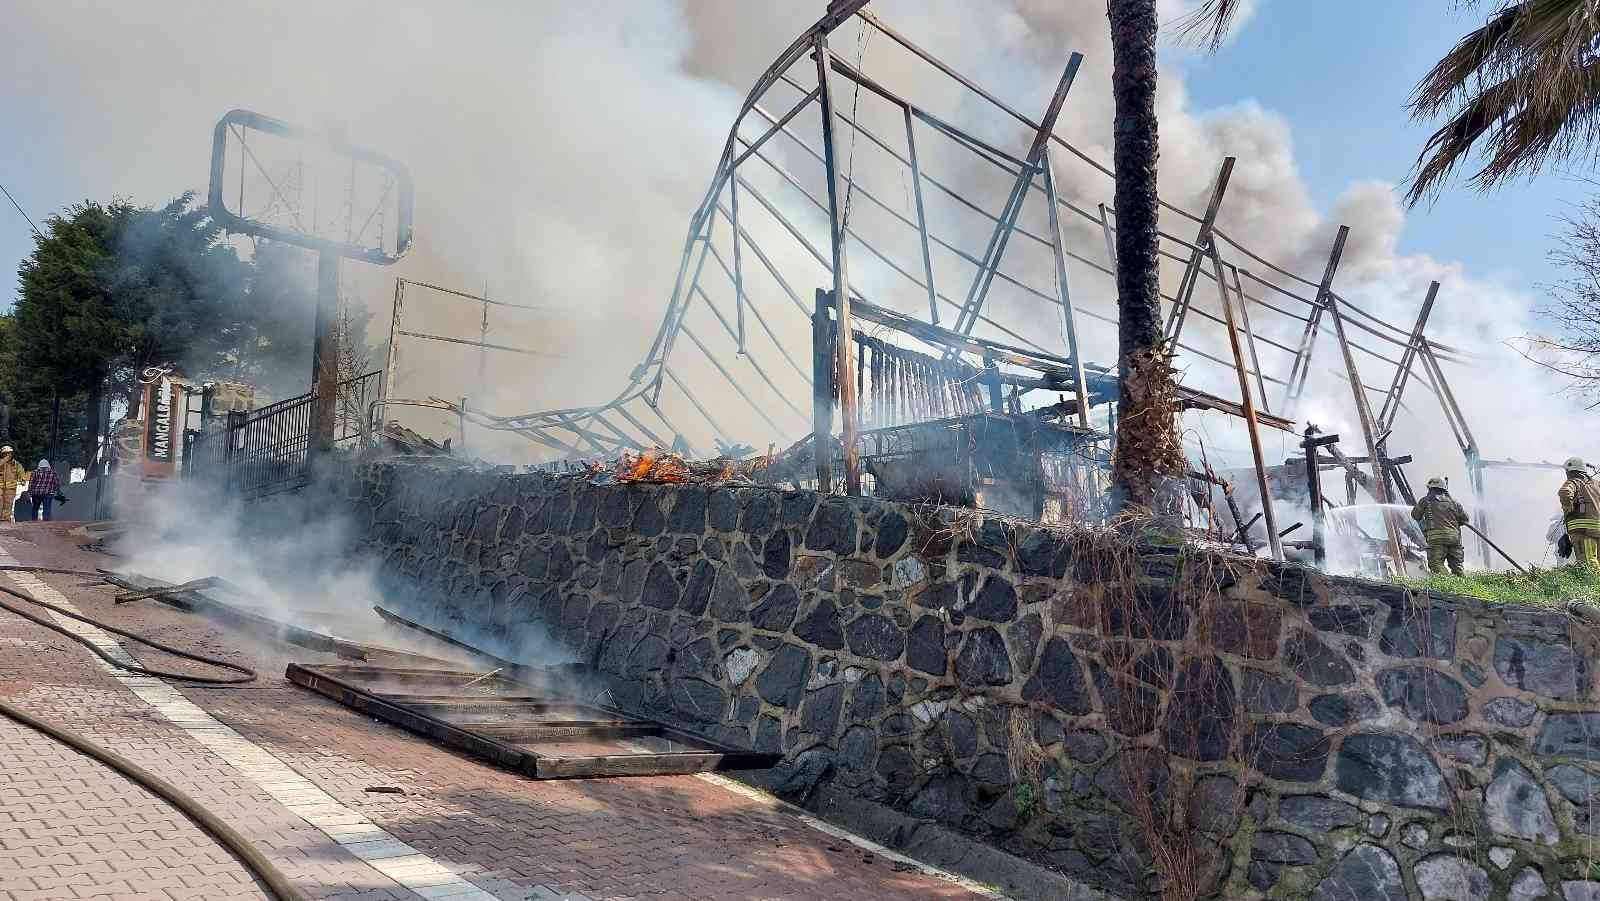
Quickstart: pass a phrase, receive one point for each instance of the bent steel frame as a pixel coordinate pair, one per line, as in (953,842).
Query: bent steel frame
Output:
(821,195)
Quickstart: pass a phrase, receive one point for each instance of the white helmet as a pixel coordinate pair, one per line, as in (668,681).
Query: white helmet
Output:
(7,449)
(1575,464)
(1436,482)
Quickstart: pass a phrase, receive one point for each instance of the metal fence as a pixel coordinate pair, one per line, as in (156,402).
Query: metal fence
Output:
(264,451)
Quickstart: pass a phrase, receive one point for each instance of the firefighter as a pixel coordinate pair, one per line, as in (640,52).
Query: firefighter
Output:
(1441,517)
(1580,511)
(11,476)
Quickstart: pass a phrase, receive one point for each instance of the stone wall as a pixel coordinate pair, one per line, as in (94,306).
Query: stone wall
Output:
(1256,729)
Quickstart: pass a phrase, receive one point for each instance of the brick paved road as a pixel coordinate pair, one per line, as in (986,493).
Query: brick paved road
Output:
(70,828)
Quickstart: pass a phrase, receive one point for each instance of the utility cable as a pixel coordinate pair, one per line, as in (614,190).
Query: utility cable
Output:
(247,853)
(246,674)
(24,213)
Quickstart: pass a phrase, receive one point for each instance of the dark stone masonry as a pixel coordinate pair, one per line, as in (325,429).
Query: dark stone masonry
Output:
(1284,733)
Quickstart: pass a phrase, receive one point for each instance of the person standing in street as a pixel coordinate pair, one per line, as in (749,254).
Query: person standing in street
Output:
(43,486)
(12,477)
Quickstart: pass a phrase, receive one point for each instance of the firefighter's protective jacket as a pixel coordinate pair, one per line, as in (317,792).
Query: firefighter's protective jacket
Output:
(1580,504)
(1440,516)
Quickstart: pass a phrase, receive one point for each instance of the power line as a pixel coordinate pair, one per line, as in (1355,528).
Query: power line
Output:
(22,211)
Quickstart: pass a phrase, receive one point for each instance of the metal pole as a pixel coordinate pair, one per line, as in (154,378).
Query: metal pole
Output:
(325,356)
(738,270)
(1308,339)
(1057,242)
(841,280)
(1191,273)
(922,217)
(1250,337)
(1380,485)
(390,358)
(1391,401)
(1111,241)
(1249,404)
(822,358)
(1019,194)
(1469,446)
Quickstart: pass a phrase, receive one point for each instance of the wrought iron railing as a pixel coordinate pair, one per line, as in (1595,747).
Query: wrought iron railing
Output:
(264,451)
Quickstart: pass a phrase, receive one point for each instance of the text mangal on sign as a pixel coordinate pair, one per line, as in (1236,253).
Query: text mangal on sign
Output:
(160,414)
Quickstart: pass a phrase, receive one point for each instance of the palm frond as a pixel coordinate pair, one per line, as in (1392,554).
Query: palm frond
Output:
(1522,91)
(1208,24)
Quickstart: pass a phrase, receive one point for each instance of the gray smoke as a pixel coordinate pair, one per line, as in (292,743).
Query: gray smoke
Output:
(559,150)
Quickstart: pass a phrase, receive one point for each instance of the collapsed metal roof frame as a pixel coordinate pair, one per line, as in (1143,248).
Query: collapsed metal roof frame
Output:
(635,418)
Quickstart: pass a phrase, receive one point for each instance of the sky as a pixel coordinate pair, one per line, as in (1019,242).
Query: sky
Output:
(1339,74)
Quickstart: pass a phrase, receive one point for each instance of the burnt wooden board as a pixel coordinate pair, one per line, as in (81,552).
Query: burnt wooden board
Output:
(499,728)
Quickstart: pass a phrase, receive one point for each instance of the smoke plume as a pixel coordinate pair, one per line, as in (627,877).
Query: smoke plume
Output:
(558,151)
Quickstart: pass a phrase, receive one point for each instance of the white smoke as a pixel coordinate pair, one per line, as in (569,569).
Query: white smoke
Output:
(559,150)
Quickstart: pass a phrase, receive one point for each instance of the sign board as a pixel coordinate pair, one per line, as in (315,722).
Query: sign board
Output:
(162,401)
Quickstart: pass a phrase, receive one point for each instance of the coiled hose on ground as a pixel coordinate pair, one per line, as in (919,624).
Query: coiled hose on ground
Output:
(246,674)
(247,853)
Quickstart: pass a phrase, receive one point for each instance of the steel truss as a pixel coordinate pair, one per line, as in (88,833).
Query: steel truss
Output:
(779,197)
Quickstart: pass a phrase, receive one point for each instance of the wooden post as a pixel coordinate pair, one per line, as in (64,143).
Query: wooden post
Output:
(991,376)
(1191,272)
(822,358)
(841,279)
(1319,547)
(1249,404)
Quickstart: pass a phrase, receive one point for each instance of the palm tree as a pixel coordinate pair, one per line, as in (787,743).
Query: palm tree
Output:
(1147,439)
(1526,86)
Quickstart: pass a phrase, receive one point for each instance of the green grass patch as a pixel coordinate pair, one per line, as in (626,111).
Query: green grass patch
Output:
(1543,587)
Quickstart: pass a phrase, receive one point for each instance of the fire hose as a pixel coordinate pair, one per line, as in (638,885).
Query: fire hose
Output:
(247,853)
(1490,543)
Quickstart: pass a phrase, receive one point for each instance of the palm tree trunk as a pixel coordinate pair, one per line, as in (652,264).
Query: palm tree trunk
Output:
(1143,428)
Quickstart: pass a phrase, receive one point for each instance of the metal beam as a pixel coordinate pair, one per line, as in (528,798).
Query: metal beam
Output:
(1248,403)
(1391,400)
(1069,325)
(1191,272)
(1380,487)
(1308,339)
(922,217)
(1019,193)
(1250,337)
(841,281)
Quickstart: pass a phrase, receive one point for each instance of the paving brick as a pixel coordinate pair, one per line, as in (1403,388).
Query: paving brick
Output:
(657,837)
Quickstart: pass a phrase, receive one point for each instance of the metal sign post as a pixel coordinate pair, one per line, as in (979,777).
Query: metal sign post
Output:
(330,252)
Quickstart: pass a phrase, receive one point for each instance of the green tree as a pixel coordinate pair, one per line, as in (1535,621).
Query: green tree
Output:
(111,289)
(1523,90)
